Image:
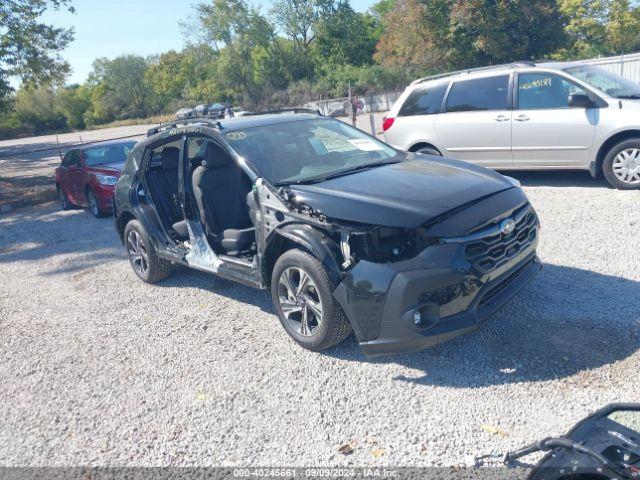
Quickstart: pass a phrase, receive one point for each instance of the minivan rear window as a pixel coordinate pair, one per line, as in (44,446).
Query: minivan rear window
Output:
(424,101)
(489,93)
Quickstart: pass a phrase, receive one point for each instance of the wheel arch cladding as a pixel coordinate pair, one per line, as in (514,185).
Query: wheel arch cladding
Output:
(124,218)
(309,239)
(420,145)
(595,168)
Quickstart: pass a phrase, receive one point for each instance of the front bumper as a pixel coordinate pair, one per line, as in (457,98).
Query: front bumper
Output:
(452,297)
(104,195)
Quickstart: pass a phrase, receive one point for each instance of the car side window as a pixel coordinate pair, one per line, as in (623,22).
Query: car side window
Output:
(424,101)
(545,91)
(487,93)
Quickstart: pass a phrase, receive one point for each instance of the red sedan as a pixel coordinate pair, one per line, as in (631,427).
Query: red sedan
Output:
(87,175)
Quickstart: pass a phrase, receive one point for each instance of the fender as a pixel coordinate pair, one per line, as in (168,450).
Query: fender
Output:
(318,244)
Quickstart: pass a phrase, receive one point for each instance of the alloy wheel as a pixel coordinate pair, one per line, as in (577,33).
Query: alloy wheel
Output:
(626,166)
(93,203)
(137,252)
(300,301)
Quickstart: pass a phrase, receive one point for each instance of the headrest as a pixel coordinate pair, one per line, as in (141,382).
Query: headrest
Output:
(215,156)
(170,157)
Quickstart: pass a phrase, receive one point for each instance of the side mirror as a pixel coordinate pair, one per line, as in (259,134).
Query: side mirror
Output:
(580,100)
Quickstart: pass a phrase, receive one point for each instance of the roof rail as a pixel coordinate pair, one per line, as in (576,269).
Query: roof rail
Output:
(286,110)
(184,121)
(522,63)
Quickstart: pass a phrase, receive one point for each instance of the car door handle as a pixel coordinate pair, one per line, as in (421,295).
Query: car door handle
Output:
(522,118)
(501,118)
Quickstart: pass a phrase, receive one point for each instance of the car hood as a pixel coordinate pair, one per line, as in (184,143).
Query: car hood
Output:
(107,168)
(405,194)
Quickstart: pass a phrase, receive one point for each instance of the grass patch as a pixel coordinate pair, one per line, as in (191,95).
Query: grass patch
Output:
(134,121)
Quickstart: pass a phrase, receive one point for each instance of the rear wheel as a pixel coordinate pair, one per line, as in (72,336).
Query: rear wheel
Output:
(621,166)
(302,296)
(428,151)
(94,206)
(64,199)
(142,256)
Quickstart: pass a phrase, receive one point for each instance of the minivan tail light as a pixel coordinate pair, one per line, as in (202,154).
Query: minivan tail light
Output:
(387,122)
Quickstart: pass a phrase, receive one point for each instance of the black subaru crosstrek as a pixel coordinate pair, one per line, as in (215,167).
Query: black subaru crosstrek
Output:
(408,250)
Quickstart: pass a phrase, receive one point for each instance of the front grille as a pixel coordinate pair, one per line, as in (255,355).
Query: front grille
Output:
(493,250)
(502,284)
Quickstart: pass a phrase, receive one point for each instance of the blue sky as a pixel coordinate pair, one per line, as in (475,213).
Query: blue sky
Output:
(108,28)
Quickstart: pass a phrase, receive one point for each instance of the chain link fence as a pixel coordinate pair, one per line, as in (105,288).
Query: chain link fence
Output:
(339,107)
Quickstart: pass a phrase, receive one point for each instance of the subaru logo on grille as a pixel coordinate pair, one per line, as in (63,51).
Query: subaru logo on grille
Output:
(508,226)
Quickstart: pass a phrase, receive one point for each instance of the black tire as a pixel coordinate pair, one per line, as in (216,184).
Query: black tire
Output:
(65,203)
(610,158)
(428,151)
(334,326)
(149,268)
(94,206)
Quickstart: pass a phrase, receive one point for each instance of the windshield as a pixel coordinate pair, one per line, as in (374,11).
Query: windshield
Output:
(108,154)
(609,82)
(308,150)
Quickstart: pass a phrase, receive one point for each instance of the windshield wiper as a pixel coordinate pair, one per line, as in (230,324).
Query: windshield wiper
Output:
(346,171)
(630,96)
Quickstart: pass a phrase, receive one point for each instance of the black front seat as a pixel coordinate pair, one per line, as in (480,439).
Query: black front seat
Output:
(221,191)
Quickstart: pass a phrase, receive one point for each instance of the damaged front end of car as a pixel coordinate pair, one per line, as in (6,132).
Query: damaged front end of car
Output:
(408,288)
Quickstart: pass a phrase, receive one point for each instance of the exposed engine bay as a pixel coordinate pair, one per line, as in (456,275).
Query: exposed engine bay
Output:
(604,446)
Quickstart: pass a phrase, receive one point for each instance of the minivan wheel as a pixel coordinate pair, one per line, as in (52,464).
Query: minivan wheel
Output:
(64,200)
(621,166)
(142,256)
(94,206)
(302,296)
(429,151)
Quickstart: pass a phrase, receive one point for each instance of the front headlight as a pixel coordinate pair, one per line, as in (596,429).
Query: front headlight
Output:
(514,181)
(106,179)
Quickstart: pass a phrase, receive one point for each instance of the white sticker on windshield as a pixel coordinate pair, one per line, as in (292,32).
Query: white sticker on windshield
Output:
(365,145)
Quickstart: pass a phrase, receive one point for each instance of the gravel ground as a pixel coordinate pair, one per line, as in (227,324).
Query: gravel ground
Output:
(100,369)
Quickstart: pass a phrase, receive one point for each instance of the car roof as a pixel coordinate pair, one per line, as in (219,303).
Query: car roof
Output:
(493,70)
(222,126)
(250,121)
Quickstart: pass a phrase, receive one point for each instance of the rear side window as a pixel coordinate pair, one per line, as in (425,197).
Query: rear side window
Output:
(479,94)
(71,158)
(424,101)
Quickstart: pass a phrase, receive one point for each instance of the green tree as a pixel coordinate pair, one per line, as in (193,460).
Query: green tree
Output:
(436,35)
(414,37)
(489,31)
(233,30)
(344,36)
(120,89)
(29,49)
(73,102)
(622,31)
(584,26)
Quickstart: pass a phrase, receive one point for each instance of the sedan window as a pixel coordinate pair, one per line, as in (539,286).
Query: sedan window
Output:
(488,93)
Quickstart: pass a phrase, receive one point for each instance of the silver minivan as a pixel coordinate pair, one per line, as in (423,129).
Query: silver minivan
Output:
(525,116)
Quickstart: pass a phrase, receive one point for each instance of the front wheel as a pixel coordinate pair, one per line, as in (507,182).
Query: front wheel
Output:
(142,256)
(302,296)
(621,166)
(94,206)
